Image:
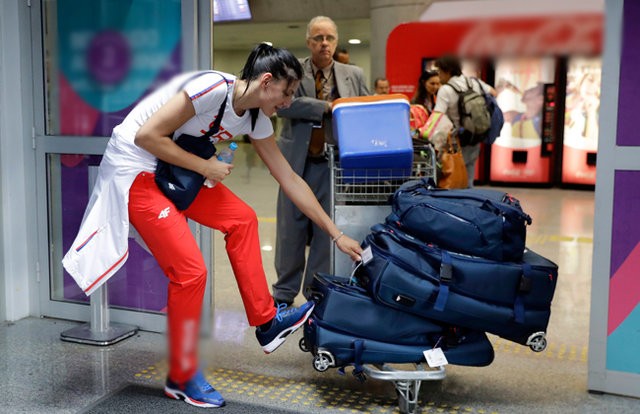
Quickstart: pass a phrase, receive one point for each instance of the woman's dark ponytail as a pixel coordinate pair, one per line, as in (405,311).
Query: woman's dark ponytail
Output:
(248,69)
(281,63)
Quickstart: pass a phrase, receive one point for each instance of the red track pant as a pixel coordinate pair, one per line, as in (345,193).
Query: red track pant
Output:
(166,232)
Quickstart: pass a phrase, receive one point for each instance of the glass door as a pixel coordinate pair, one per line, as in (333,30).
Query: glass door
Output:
(98,59)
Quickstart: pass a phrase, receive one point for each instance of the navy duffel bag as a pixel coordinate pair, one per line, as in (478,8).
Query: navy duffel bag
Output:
(347,327)
(480,222)
(509,299)
(351,309)
(333,348)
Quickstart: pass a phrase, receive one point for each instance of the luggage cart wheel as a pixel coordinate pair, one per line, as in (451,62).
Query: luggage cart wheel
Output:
(323,361)
(537,342)
(303,345)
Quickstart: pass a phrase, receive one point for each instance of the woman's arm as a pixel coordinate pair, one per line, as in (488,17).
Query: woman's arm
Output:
(301,195)
(154,134)
(307,108)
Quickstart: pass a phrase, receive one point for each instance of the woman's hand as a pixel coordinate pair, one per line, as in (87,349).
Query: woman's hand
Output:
(349,246)
(216,170)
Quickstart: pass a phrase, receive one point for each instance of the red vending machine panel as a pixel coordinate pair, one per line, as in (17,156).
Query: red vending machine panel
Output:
(582,104)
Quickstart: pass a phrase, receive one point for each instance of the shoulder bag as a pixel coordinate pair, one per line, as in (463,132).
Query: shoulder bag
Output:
(453,172)
(181,185)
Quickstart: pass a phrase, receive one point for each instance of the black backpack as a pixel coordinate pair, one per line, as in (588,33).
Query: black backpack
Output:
(475,118)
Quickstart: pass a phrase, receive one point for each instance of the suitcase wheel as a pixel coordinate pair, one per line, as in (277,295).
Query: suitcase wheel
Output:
(323,361)
(303,345)
(537,342)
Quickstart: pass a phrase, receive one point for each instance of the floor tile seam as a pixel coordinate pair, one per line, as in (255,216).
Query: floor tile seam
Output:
(542,238)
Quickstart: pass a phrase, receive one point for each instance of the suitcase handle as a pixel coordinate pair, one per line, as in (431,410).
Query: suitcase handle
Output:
(446,275)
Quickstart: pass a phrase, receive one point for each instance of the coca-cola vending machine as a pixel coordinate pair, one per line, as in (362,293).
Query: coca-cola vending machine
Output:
(581,108)
(524,51)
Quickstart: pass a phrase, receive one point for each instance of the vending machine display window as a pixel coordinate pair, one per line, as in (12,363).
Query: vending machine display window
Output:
(522,152)
(582,106)
(582,102)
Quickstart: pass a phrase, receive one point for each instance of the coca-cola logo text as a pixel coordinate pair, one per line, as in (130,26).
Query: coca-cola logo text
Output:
(560,36)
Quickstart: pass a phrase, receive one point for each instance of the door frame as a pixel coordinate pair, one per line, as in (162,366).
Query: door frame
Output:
(196,54)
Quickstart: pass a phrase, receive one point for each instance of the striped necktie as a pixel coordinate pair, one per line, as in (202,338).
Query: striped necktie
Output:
(316,144)
(319,85)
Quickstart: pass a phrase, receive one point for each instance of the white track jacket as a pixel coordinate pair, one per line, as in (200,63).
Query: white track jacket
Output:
(102,244)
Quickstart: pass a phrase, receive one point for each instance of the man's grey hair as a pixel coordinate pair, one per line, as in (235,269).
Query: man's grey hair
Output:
(319,19)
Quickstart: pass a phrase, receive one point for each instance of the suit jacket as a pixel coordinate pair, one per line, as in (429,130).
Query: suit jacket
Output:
(306,110)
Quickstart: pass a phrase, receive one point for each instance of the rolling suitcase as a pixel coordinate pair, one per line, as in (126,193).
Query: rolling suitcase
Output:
(509,299)
(348,328)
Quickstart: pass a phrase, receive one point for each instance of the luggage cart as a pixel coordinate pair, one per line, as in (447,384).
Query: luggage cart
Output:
(406,382)
(360,199)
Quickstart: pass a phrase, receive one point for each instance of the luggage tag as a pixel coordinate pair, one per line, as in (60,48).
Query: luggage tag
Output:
(366,255)
(435,357)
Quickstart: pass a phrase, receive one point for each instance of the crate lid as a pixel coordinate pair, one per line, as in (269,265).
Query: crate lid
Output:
(368,100)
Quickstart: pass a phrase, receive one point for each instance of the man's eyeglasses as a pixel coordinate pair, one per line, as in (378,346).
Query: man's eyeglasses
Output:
(321,38)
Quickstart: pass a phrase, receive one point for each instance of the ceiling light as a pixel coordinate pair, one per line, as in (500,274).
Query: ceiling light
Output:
(354,41)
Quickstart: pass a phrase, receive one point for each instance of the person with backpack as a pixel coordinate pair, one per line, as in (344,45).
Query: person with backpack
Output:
(462,99)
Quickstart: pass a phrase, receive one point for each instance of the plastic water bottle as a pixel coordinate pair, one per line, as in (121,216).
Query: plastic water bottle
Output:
(226,155)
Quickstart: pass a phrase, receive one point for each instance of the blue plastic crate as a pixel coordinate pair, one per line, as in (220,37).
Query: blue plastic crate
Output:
(373,135)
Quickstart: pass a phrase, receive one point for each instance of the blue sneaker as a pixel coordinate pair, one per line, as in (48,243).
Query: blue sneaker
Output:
(286,321)
(197,392)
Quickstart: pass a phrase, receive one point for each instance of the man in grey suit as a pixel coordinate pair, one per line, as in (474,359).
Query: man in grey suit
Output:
(306,128)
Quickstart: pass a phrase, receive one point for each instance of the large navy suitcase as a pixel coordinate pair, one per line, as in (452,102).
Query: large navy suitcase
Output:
(480,222)
(348,328)
(509,299)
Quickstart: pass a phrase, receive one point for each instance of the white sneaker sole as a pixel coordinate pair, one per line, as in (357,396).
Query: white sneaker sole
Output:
(282,336)
(178,395)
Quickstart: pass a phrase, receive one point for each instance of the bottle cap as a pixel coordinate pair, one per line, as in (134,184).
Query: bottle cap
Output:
(233,146)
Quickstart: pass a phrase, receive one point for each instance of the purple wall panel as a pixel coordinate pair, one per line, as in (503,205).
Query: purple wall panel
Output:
(626,226)
(629,78)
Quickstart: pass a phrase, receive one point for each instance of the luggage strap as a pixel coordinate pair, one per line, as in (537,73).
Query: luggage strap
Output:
(358,347)
(446,275)
(358,369)
(523,288)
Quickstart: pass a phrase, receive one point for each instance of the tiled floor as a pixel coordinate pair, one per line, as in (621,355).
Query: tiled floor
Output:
(42,374)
